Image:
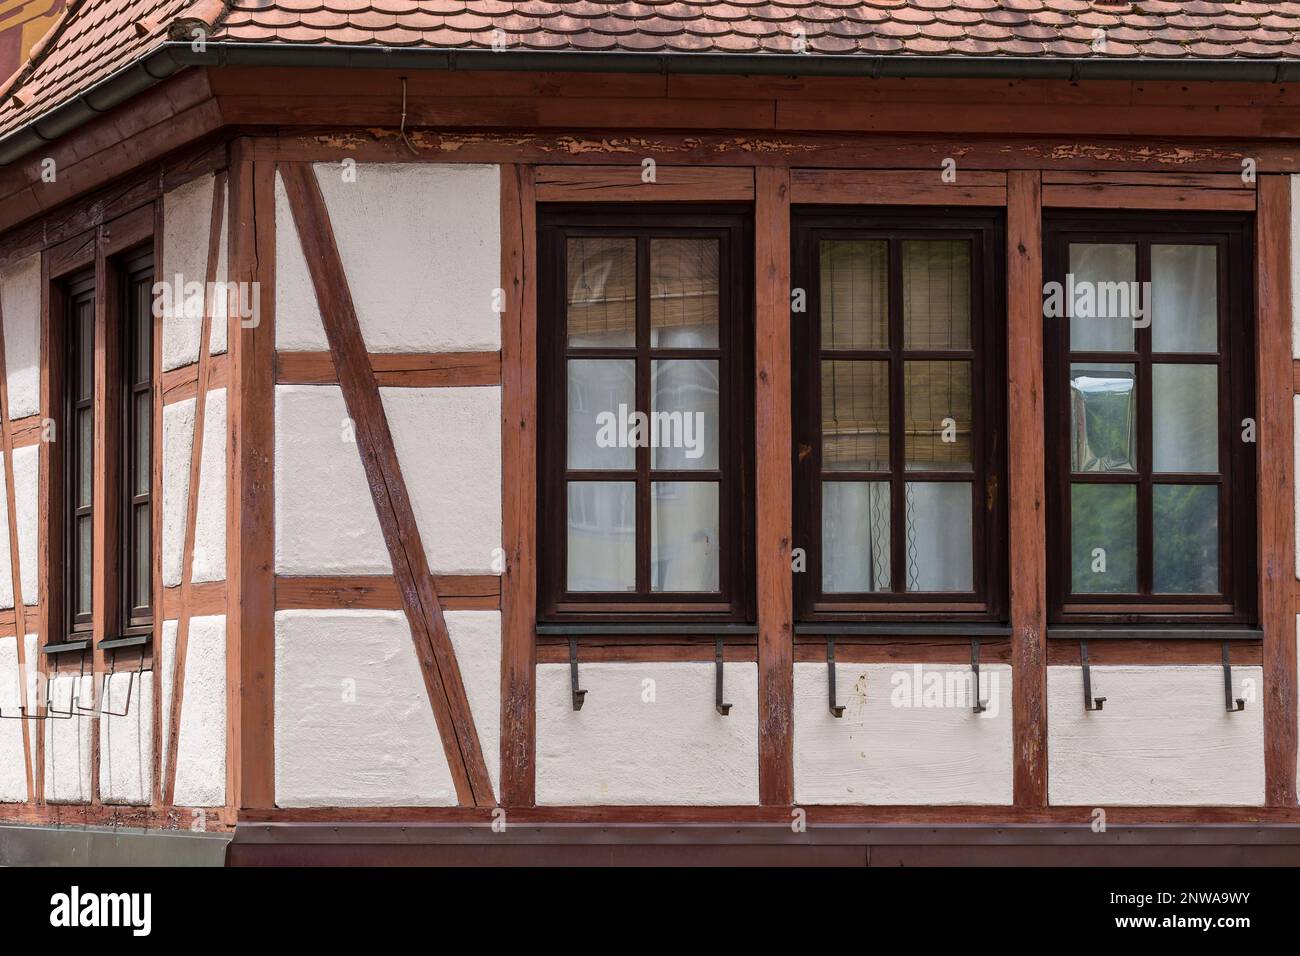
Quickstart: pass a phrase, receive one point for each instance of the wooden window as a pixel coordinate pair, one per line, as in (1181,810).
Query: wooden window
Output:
(644,349)
(136,479)
(1149,382)
(899,388)
(79,458)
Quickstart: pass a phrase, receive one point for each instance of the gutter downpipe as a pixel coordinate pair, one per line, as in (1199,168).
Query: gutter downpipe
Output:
(172,56)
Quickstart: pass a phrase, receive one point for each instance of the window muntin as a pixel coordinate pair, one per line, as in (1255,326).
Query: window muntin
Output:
(645,315)
(898,415)
(1148,379)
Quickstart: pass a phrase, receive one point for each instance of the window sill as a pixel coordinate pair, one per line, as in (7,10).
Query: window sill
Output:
(1138,632)
(903,629)
(647,628)
(66,647)
(131,640)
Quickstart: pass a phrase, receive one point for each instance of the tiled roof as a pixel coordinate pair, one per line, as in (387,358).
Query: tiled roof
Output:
(1154,28)
(95,38)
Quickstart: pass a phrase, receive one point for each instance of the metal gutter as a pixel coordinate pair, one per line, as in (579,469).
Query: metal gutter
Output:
(172,56)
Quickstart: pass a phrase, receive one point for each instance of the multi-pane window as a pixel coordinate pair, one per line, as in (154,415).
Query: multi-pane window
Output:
(644,447)
(897,377)
(1150,443)
(136,364)
(79,457)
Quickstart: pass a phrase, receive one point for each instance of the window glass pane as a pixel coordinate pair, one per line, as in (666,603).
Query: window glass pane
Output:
(855,416)
(936,294)
(1098,296)
(1185,418)
(1103,538)
(937,434)
(85,537)
(939,544)
(602,536)
(1185,301)
(85,457)
(86,353)
(141,547)
(1103,417)
(854,294)
(684,536)
(602,399)
(684,293)
(601,287)
(684,426)
(143,424)
(855,536)
(1186,539)
(142,362)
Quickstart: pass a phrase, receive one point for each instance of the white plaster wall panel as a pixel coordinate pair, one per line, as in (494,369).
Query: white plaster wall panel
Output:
(27,507)
(908,736)
(31,677)
(421,244)
(298,324)
(210,522)
(201,767)
(20,301)
(624,749)
(187,222)
(448,441)
(353,723)
(68,741)
(178,442)
(126,741)
(13,768)
(1163,739)
(476,639)
(325,521)
(219,312)
(6,560)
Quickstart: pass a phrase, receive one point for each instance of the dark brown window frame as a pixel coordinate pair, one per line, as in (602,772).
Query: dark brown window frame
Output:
(985,230)
(79,291)
(133,271)
(1237,601)
(733,227)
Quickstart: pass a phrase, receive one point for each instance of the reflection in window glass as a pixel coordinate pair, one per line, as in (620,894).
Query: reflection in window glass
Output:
(1103,539)
(684,399)
(855,536)
(684,540)
(597,388)
(854,294)
(1100,299)
(601,287)
(1185,301)
(1186,539)
(1185,418)
(602,536)
(937,406)
(1103,418)
(855,416)
(936,293)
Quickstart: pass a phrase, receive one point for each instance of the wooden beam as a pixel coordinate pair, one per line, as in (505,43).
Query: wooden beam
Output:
(518,479)
(1100,196)
(192,504)
(395,369)
(205,599)
(250,483)
(179,384)
(1170,179)
(1276,493)
(388,488)
(774,491)
(919,187)
(571,183)
(379,592)
(1026,486)
(156,509)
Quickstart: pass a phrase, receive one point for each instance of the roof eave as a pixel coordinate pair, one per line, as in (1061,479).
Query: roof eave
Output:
(170,57)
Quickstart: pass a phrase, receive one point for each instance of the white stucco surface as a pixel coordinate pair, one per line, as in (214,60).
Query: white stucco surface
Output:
(178,442)
(220,332)
(210,522)
(13,769)
(907,736)
(201,769)
(448,441)
(325,520)
(20,301)
(27,505)
(1164,737)
(6,562)
(622,749)
(126,741)
(68,741)
(187,222)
